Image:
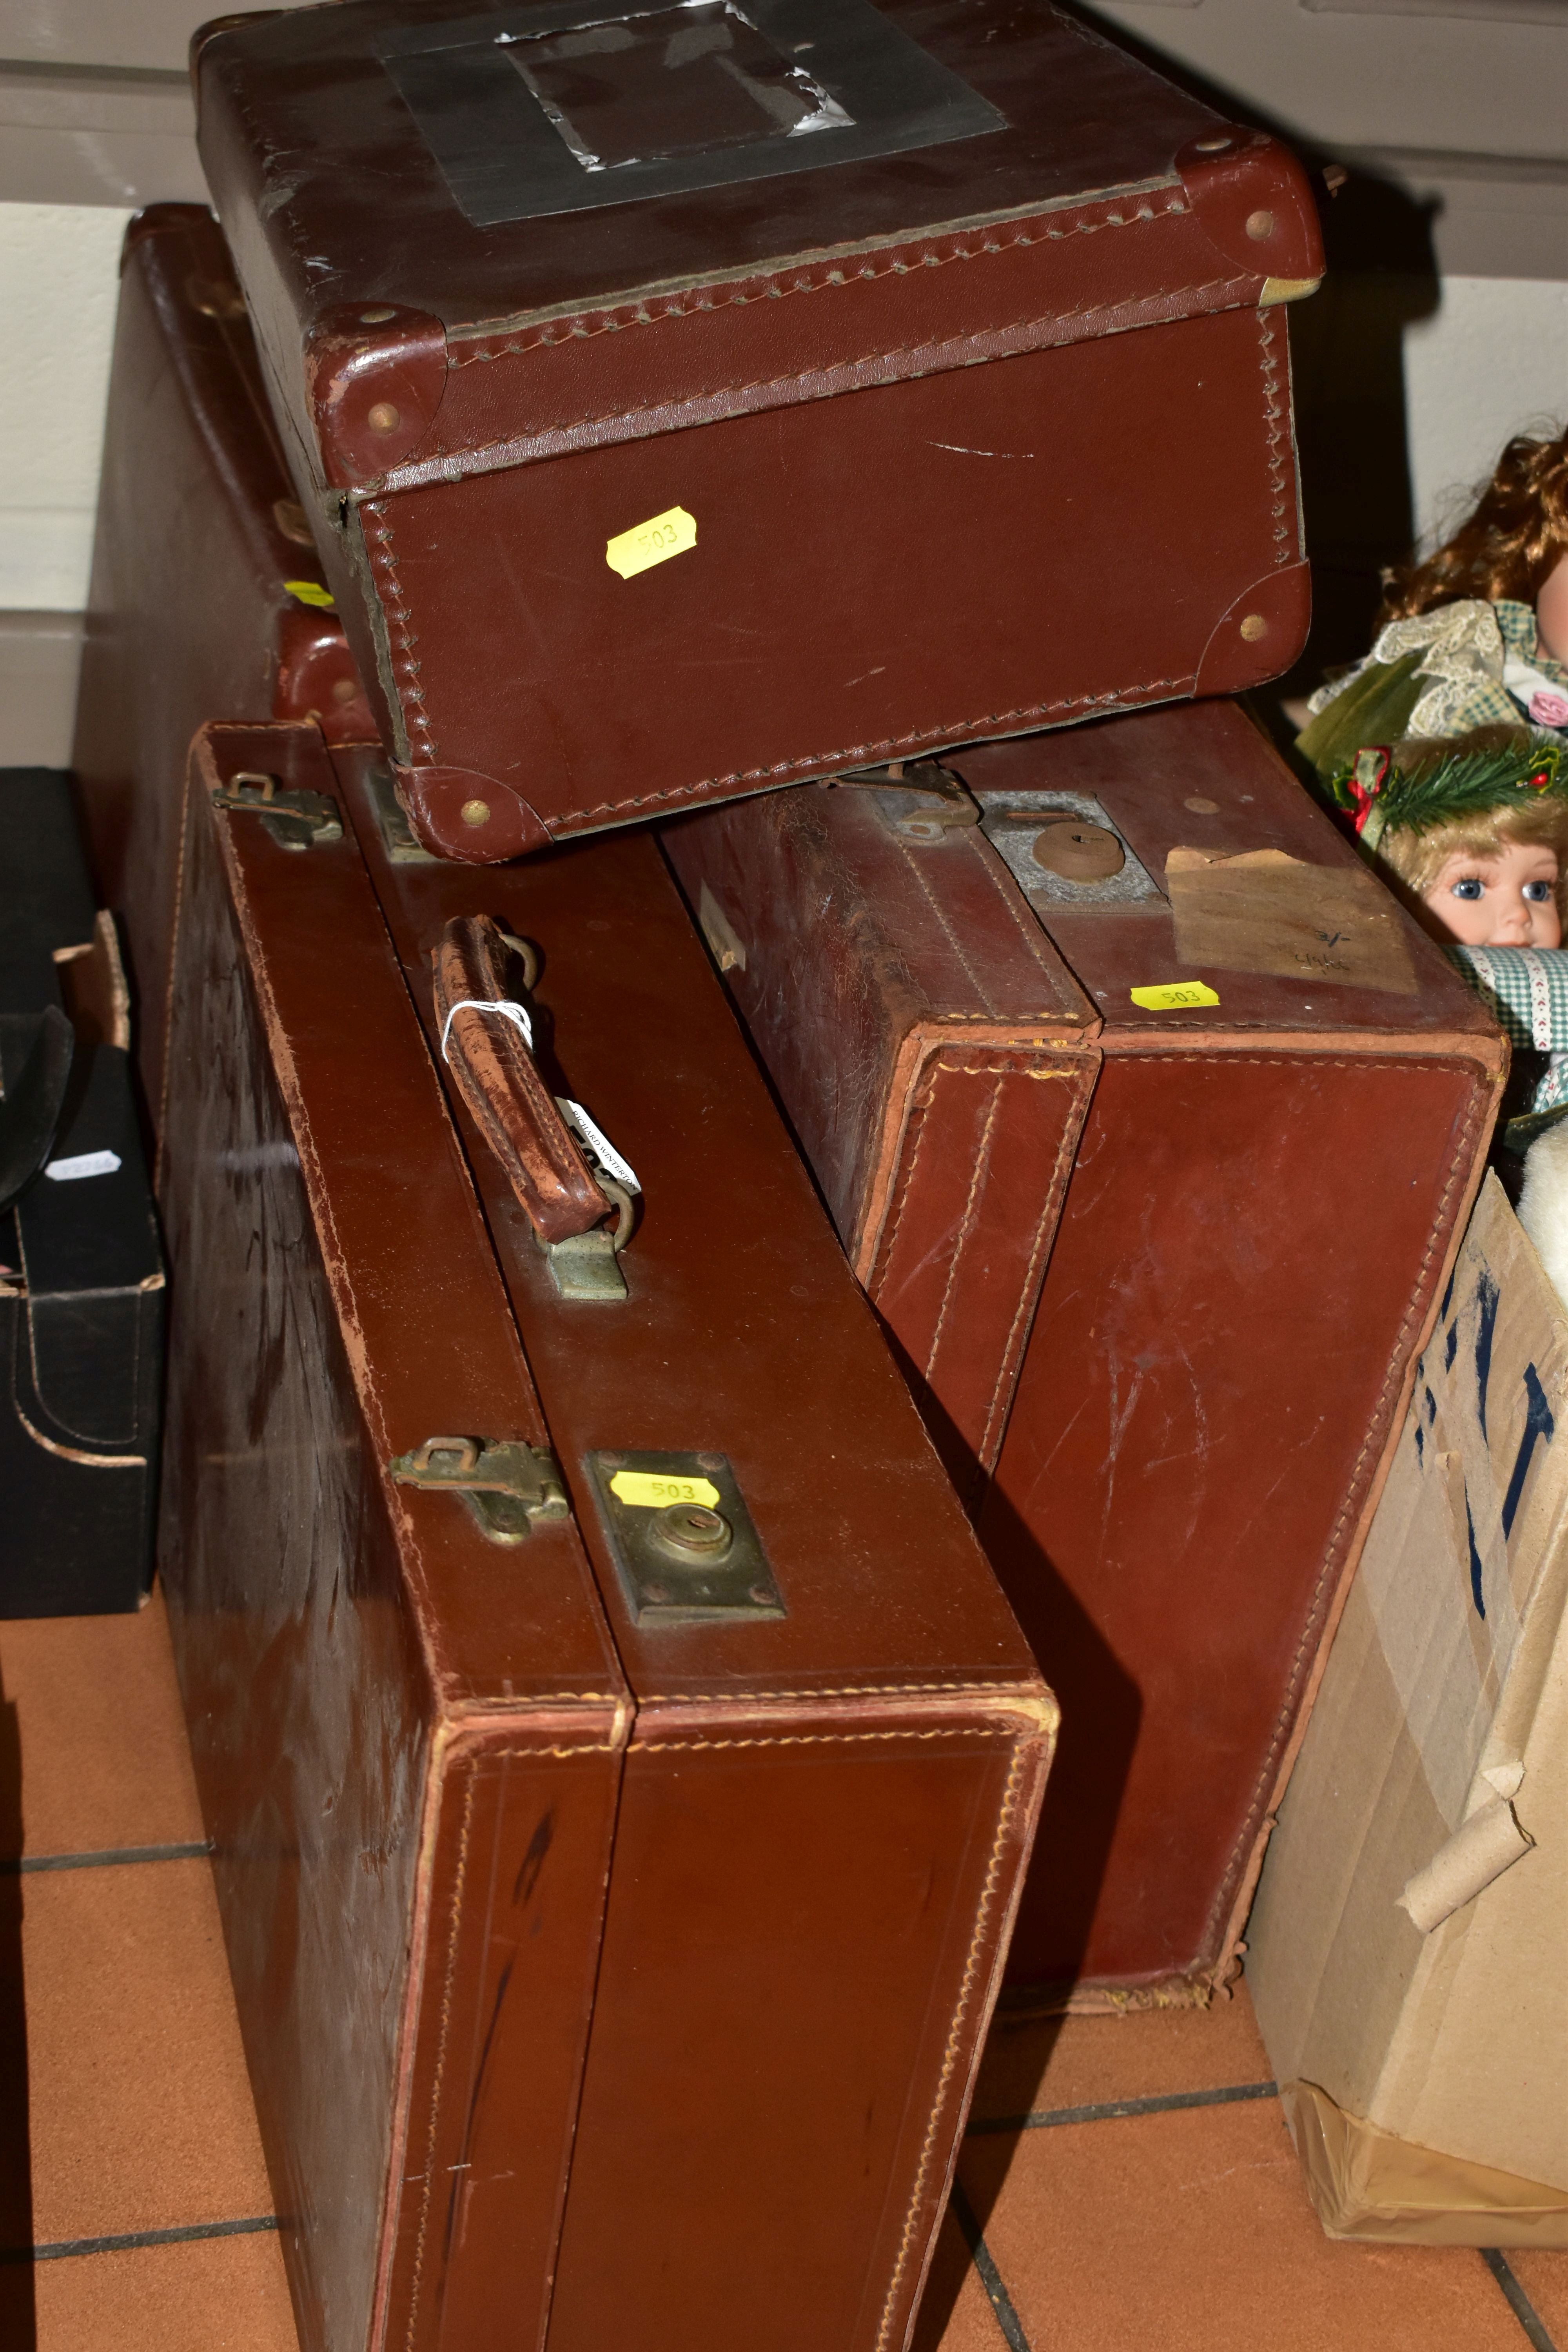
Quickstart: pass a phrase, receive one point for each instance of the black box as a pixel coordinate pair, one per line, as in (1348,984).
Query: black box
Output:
(81,1272)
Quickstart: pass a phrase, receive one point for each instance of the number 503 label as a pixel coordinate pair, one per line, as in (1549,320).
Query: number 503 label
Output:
(648,543)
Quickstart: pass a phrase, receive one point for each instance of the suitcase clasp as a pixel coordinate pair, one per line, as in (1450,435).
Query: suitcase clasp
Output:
(508,1487)
(296,819)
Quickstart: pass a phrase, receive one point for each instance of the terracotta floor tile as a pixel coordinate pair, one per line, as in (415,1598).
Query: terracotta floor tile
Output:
(1545,2278)
(956,2313)
(214,2295)
(140,2108)
(1073,2061)
(1190,2230)
(104,1761)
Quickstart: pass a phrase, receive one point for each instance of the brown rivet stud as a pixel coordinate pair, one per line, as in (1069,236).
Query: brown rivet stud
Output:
(1254,628)
(1259,224)
(376,318)
(384,417)
(1213,146)
(1200,806)
(476,812)
(344,689)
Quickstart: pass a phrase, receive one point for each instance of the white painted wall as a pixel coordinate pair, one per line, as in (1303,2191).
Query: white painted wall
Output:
(58,283)
(1491,360)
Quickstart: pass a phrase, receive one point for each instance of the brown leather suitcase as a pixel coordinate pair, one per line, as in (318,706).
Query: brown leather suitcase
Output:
(206,599)
(1268,1187)
(614,1917)
(658,453)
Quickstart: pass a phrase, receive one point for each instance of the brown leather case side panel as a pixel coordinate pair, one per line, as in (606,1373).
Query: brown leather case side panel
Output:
(981,1169)
(521,1860)
(337,1303)
(1205,1405)
(188,618)
(766,1875)
(306,1694)
(567,687)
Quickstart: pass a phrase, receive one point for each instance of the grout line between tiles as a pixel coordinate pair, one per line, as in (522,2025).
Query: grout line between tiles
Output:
(1519,2302)
(1112,2110)
(135,2239)
(17,1865)
(990,2277)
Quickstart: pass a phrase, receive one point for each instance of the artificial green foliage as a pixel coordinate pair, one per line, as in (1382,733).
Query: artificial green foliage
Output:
(1374,707)
(1446,788)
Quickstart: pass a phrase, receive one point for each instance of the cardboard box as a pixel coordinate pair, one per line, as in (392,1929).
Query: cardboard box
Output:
(1407,1950)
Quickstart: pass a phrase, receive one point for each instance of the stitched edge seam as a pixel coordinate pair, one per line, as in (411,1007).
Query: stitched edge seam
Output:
(850,1690)
(954,2037)
(861,755)
(1349,1507)
(623,315)
(405,664)
(935,1067)
(966,1222)
(1029,1291)
(815,1738)
(884,1257)
(951,936)
(453,1922)
(445,468)
(1274,432)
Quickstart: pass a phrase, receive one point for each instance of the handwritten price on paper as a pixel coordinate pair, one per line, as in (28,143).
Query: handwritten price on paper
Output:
(638,550)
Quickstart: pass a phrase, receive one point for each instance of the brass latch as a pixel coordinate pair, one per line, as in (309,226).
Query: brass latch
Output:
(508,1487)
(296,819)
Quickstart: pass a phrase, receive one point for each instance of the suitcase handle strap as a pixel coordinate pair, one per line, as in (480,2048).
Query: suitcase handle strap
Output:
(486,1042)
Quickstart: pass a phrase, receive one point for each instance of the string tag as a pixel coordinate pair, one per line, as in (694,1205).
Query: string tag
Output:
(516,1013)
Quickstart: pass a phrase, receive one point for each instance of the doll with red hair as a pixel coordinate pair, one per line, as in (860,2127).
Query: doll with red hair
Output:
(1476,635)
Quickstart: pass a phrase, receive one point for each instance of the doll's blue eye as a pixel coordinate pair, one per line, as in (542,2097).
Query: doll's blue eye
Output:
(1470,888)
(1538,893)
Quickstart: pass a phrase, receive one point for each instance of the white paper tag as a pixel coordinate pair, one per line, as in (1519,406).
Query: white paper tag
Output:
(83,1163)
(598,1144)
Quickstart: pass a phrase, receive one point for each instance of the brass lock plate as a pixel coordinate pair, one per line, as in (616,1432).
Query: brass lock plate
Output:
(683,1539)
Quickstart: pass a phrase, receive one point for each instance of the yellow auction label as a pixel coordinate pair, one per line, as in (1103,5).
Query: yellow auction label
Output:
(643,1490)
(310,592)
(670,533)
(1174,995)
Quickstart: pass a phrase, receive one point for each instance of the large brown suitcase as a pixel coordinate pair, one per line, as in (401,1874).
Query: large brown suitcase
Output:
(1268,1187)
(613,1939)
(658,453)
(206,599)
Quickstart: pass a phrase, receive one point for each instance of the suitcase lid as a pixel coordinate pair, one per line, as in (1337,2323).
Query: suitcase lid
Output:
(1301,937)
(412,189)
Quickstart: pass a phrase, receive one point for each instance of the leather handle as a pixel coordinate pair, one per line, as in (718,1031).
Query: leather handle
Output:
(498,1078)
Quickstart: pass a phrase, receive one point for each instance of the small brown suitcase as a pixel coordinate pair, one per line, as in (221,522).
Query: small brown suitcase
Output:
(659,453)
(614,1919)
(1267,1189)
(206,599)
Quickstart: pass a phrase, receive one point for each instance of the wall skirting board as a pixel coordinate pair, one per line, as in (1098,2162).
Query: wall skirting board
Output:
(40,653)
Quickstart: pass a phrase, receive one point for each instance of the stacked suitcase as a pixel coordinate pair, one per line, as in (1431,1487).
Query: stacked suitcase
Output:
(621,1759)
